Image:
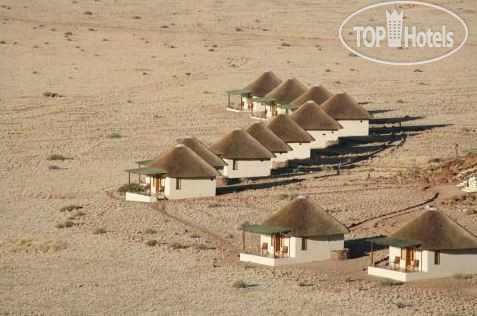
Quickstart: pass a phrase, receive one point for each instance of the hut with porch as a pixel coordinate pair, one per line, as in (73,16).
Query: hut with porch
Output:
(245,156)
(318,94)
(269,140)
(291,133)
(278,101)
(353,118)
(322,127)
(204,152)
(432,245)
(258,88)
(300,232)
(178,173)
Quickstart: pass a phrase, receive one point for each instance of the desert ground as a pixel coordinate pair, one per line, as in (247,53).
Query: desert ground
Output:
(106,83)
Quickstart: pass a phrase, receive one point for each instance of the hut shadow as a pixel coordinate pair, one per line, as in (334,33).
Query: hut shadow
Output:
(394,120)
(409,128)
(372,112)
(360,247)
(254,186)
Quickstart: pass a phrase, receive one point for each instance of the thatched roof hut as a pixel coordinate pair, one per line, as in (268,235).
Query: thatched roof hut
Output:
(203,151)
(341,106)
(288,130)
(305,218)
(267,138)
(318,94)
(182,162)
(434,230)
(286,92)
(311,117)
(238,144)
(265,83)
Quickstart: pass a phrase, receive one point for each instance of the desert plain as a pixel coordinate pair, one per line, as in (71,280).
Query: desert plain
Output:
(106,83)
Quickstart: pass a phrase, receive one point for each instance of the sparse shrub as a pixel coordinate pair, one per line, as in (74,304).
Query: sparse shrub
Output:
(352,55)
(194,236)
(66,224)
(50,94)
(435,160)
(151,242)
(164,26)
(349,280)
(285,44)
(400,101)
(88,13)
(401,305)
(239,284)
(418,70)
(304,284)
(462,276)
(114,135)
(77,215)
(131,187)
(414,169)
(238,29)
(53,167)
(176,245)
(150,231)
(70,208)
(389,282)
(68,33)
(136,17)
(214,204)
(56,157)
(99,231)
(3,42)
(205,247)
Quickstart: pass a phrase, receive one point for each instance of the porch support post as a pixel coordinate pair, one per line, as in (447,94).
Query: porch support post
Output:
(372,255)
(241,105)
(243,240)
(228,94)
(150,186)
(129,178)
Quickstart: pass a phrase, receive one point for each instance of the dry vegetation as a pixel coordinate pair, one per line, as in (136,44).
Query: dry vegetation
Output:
(126,258)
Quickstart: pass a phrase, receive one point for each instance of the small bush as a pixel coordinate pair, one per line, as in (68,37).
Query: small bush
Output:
(114,135)
(53,167)
(70,208)
(238,29)
(304,284)
(99,231)
(285,44)
(132,187)
(401,305)
(77,215)
(435,160)
(239,284)
(462,276)
(194,236)
(66,224)
(214,204)
(150,231)
(136,17)
(49,94)
(56,157)
(389,282)
(352,55)
(88,13)
(151,242)
(418,70)
(177,245)
(164,26)
(205,247)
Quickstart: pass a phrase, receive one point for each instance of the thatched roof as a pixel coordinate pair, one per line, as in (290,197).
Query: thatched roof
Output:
(306,219)
(288,130)
(343,107)
(238,144)
(317,93)
(434,230)
(265,83)
(203,151)
(287,91)
(310,116)
(267,138)
(182,162)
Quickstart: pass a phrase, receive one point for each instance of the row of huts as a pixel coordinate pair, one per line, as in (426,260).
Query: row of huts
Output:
(191,168)
(430,245)
(268,96)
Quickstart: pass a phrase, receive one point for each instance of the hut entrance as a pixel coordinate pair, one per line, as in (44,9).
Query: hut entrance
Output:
(157,185)
(409,258)
(277,243)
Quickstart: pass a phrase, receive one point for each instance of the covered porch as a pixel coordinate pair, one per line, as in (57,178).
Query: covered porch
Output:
(152,183)
(245,102)
(404,262)
(276,252)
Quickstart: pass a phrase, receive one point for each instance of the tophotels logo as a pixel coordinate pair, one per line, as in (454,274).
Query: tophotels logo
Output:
(424,32)
(394,29)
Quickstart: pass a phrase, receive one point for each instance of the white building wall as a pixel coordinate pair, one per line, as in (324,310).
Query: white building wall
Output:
(300,151)
(248,168)
(258,107)
(353,128)
(322,138)
(190,188)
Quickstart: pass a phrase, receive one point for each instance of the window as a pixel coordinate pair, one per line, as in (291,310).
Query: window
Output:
(437,257)
(178,184)
(304,243)
(234,164)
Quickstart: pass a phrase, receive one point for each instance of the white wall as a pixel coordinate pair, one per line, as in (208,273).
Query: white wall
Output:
(300,151)
(322,138)
(280,157)
(135,197)
(190,188)
(248,168)
(354,128)
(258,107)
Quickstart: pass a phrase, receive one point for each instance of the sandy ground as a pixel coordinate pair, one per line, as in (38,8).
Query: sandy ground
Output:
(153,72)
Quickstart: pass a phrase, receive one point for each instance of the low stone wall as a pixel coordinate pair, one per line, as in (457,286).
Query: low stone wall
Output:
(135,197)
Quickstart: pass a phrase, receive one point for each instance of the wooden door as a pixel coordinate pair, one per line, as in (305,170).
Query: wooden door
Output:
(278,243)
(409,258)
